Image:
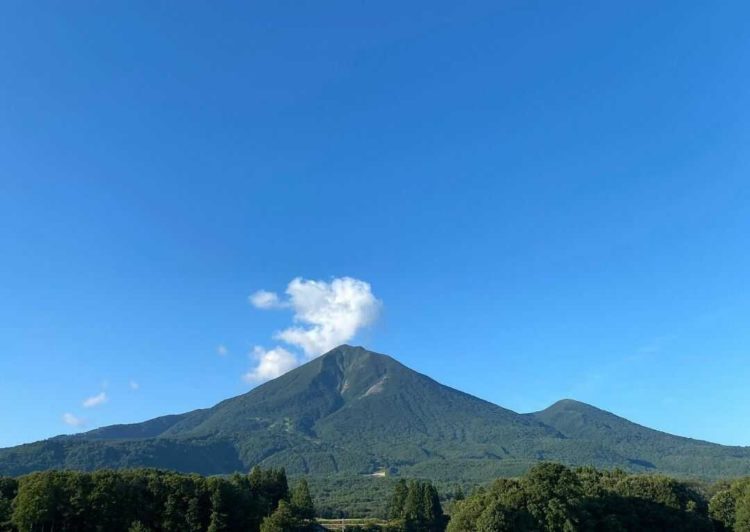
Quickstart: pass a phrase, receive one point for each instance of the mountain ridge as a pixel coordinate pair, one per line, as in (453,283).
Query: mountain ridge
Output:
(355,412)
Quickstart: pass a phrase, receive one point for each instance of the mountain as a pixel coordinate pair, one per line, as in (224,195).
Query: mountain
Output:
(644,447)
(355,412)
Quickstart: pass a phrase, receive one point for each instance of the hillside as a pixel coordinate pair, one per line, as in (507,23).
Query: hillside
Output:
(645,448)
(354,412)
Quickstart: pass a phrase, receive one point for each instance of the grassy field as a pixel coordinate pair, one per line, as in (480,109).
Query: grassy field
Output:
(341,524)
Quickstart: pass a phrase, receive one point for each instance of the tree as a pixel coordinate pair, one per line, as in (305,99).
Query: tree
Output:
(413,514)
(499,518)
(281,520)
(742,513)
(553,493)
(8,491)
(551,497)
(432,512)
(398,499)
(721,509)
(269,486)
(37,501)
(500,508)
(301,501)
(219,511)
(194,515)
(417,506)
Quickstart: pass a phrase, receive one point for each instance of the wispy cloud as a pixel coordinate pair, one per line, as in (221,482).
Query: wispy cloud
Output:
(73,421)
(325,315)
(265,300)
(95,400)
(222,350)
(134,385)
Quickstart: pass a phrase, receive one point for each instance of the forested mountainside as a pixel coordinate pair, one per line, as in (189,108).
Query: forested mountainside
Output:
(355,412)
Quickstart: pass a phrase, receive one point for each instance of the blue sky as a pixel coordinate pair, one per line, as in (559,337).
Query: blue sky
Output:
(546,199)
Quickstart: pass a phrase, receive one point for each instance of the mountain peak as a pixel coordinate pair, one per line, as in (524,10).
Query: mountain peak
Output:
(352,351)
(570,404)
(348,351)
(572,414)
(347,348)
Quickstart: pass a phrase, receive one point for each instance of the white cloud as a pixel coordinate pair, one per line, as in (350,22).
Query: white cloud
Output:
(222,350)
(95,400)
(272,363)
(330,313)
(73,421)
(265,300)
(134,385)
(326,314)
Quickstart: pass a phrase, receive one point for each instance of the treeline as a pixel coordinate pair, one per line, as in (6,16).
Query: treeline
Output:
(555,498)
(550,497)
(142,500)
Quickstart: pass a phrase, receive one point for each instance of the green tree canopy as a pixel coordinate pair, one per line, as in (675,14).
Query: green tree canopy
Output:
(302,502)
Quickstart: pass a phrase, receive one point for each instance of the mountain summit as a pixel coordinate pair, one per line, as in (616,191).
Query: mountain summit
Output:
(352,411)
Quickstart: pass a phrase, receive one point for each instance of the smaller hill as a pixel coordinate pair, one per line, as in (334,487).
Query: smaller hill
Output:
(644,447)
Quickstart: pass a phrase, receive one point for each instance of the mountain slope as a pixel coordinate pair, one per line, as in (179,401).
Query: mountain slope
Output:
(352,411)
(644,447)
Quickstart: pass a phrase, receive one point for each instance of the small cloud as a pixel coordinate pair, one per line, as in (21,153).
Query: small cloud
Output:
(73,421)
(96,400)
(134,385)
(272,363)
(265,300)
(222,350)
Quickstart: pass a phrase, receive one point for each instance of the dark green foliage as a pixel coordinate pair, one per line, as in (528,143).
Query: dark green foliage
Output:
(356,413)
(8,490)
(142,499)
(742,513)
(730,506)
(272,483)
(281,520)
(552,497)
(398,500)
(301,501)
(220,508)
(416,507)
(352,496)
